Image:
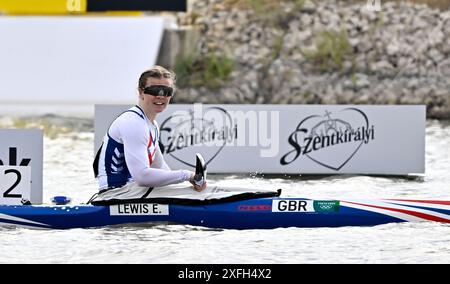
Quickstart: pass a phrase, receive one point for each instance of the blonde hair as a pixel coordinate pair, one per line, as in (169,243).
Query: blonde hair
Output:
(157,72)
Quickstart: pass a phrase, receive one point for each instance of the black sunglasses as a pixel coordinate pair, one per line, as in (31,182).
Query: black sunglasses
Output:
(159,90)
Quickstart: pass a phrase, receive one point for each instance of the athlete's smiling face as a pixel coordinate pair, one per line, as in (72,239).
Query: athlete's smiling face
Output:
(151,104)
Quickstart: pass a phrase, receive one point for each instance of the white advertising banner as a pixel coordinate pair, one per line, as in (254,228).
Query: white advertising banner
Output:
(76,59)
(21,161)
(295,139)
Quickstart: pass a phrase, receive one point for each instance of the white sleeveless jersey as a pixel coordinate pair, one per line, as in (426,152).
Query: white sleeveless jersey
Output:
(130,152)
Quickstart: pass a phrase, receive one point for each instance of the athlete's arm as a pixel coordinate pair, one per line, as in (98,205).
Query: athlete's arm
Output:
(160,162)
(135,137)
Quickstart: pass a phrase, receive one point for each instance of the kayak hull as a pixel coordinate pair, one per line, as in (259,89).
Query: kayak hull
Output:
(258,213)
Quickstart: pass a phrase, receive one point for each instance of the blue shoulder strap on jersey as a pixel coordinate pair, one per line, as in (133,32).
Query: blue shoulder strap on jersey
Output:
(97,156)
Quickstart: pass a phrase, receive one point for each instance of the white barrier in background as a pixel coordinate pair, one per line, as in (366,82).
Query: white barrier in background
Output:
(21,162)
(291,139)
(76,59)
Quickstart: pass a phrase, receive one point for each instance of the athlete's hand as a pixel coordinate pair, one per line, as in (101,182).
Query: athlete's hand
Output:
(196,186)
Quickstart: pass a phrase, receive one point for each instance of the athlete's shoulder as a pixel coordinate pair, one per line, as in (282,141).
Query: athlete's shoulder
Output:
(132,114)
(136,111)
(130,120)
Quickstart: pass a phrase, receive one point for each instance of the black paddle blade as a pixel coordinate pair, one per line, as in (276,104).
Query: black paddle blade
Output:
(200,169)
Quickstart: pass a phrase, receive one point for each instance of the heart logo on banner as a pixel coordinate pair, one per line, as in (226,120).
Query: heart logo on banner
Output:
(335,126)
(182,131)
(317,136)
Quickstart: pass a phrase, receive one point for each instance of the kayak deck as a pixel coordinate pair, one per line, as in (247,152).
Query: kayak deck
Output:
(258,213)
